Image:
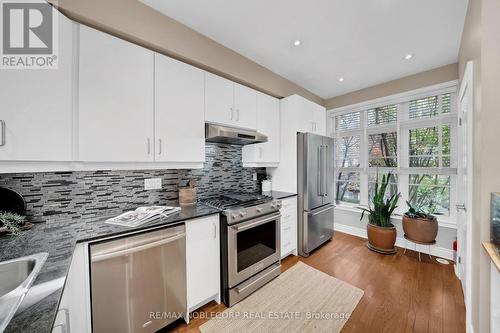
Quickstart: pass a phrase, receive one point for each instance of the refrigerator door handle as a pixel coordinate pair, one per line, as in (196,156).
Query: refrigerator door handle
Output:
(325,174)
(320,179)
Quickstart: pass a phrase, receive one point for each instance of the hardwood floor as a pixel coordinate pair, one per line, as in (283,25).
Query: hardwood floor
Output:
(401,293)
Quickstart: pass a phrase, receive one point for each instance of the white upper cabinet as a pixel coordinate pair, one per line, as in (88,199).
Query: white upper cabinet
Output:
(319,119)
(229,103)
(36,111)
(297,115)
(268,123)
(179,111)
(219,100)
(115,107)
(245,106)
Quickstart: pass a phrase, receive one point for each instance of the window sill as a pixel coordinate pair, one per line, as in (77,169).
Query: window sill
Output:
(442,221)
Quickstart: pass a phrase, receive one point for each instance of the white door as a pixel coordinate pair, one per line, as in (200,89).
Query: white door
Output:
(464,179)
(36,112)
(202,260)
(179,111)
(268,123)
(219,100)
(115,99)
(245,105)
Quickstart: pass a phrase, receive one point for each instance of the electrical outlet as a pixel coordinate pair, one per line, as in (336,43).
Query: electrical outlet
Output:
(152,183)
(254,176)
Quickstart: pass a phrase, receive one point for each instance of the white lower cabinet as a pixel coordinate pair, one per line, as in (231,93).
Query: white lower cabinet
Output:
(202,261)
(73,314)
(288,226)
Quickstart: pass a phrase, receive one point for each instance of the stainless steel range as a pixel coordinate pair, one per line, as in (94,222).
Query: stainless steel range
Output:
(250,243)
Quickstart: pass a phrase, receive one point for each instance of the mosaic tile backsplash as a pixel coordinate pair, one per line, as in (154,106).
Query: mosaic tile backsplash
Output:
(94,195)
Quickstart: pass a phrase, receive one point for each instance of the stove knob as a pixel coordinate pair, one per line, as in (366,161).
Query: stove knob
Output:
(259,209)
(234,216)
(243,213)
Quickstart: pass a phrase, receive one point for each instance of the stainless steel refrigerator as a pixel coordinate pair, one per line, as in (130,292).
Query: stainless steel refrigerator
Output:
(315,191)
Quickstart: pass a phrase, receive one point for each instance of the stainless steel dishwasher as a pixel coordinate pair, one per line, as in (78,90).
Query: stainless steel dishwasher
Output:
(138,282)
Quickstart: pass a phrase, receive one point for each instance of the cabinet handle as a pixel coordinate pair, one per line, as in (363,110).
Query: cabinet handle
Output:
(237,114)
(2,128)
(231,113)
(149,146)
(159,146)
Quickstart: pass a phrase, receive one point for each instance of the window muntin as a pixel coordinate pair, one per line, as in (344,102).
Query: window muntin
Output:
(383,149)
(348,187)
(348,121)
(348,151)
(431,192)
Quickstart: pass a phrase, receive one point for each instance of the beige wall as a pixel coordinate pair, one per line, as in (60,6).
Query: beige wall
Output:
(420,80)
(136,22)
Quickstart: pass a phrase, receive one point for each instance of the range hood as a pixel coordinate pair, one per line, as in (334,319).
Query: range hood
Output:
(230,135)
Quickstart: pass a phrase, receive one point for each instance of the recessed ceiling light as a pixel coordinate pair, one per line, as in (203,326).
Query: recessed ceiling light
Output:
(297,42)
(408,56)
(341,79)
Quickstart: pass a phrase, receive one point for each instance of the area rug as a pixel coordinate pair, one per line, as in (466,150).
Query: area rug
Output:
(302,299)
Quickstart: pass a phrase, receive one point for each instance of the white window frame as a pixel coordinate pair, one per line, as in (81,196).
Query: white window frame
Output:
(402,127)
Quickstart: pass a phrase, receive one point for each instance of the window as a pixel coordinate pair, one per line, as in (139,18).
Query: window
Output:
(348,187)
(348,151)
(382,150)
(430,192)
(382,115)
(413,138)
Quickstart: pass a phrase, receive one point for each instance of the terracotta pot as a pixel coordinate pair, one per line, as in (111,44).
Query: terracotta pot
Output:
(420,229)
(380,239)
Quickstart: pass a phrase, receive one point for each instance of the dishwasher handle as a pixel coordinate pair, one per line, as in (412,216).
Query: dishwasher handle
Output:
(106,256)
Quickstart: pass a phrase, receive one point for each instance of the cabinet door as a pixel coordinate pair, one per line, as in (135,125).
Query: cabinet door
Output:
(288,226)
(73,314)
(268,123)
(245,105)
(319,118)
(115,99)
(306,117)
(219,100)
(202,260)
(179,111)
(37,107)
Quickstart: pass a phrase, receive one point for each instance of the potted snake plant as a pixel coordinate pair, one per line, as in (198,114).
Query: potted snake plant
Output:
(381,232)
(420,225)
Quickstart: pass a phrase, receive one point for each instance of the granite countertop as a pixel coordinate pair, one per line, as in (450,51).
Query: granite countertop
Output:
(280,195)
(59,240)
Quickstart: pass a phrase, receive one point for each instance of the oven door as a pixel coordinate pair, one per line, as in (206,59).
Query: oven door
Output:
(252,246)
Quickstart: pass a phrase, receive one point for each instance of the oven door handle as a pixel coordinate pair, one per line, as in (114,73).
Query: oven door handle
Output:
(256,223)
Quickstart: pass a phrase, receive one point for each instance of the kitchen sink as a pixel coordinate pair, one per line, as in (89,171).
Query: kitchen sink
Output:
(16,277)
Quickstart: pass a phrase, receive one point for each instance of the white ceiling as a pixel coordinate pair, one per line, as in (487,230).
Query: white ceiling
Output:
(363,41)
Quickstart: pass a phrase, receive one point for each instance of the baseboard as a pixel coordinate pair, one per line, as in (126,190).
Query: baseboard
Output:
(436,251)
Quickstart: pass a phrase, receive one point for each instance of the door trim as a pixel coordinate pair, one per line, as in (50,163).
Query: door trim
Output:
(467,85)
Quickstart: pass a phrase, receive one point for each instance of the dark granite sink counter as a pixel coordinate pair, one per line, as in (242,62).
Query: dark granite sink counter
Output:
(59,240)
(280,195)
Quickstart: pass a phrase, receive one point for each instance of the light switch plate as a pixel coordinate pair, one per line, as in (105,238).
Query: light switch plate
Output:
(152,183)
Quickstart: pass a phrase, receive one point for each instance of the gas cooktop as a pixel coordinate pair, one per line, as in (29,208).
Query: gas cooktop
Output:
(240,206)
